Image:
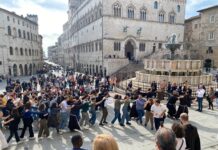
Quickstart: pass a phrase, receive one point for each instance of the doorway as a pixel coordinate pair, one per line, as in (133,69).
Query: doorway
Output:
(129,50)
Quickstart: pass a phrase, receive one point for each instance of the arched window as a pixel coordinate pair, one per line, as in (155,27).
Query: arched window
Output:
(178,8)
(100,12)
(161,17)
(21,51)
(172,18)
(131,12)
(9,30)
(29,52)
(155,5)
(19,33)
(28,35)
(11,51)
(16,51)
(24,34)
(143,14)
(117,10)
(15,32)
(26,53)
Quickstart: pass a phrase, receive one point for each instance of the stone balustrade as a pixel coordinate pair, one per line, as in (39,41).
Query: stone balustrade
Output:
(173,65)
(193,80)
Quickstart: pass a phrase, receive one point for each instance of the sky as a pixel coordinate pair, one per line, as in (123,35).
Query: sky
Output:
(52,14)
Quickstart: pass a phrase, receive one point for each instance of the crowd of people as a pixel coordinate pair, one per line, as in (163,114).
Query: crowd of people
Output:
(72,101)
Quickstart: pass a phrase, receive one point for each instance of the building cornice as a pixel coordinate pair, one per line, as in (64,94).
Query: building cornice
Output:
(15,15)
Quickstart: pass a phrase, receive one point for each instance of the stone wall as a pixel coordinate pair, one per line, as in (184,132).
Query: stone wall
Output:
(115,64)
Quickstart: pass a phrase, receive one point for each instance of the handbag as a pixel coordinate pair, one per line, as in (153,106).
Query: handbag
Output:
(181,144)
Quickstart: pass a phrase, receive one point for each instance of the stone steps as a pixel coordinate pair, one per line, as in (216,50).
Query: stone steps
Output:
(128,71)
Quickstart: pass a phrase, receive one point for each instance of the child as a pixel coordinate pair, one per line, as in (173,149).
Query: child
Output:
(77,142)
(3,142)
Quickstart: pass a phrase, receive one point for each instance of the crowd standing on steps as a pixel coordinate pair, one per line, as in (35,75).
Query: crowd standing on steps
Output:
(71,100)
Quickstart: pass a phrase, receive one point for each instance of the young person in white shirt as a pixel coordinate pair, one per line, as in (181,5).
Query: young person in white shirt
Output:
(200,95)
(158,111)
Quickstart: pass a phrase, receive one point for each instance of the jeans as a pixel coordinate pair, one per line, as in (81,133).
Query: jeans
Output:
(63,119)
(93,117)
(125,116)
(157,122)
(140,115)
(200,100)
(117,115)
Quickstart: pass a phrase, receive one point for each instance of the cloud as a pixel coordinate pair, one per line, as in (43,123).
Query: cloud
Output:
(194,5)
(52,14)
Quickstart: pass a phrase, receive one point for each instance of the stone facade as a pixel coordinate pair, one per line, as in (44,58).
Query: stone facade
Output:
(20,44)
(201,35)
(55,54)
(99,30)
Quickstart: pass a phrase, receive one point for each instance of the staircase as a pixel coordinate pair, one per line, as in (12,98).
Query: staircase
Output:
(128,71)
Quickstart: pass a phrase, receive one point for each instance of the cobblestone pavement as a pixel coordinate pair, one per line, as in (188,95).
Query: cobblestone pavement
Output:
(129,137)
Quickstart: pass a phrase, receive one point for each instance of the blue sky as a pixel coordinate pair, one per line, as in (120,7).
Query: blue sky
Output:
(53,14)
(194,5)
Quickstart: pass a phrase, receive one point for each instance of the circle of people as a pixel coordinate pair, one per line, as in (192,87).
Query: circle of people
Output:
(73,100)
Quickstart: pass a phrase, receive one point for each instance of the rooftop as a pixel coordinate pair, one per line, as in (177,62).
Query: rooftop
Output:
(192,18)
(208,8)
(16,15)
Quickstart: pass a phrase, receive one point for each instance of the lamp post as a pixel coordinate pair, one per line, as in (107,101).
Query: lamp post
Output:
(102,44)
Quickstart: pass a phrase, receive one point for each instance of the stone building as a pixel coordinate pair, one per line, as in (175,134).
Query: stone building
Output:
(201,35)
(55,54)
(20,44)
(103,36)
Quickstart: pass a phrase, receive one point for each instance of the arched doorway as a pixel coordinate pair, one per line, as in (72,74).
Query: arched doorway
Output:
(30,69)
(21,69)
(90,69)
(129,50)
(96,70)
(26,70)
(9,71)
(93,68)
(208,64)
(15,70)
(34,68)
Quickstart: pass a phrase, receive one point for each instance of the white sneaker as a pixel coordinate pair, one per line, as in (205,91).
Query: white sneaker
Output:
(40,138)
(31,138)
(20,142)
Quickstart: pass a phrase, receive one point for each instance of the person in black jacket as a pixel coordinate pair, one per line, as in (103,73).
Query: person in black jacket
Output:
(191,133)
(13,122)
(171,105)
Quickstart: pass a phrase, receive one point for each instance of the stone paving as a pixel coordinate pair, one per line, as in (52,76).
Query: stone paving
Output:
(129,137)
